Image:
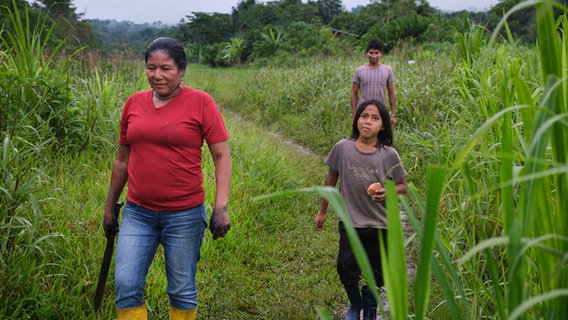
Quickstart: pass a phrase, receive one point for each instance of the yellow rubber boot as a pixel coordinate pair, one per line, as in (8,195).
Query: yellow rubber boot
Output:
(177,314)
(136,313)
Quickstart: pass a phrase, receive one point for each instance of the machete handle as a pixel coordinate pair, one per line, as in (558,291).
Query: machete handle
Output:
(115,214)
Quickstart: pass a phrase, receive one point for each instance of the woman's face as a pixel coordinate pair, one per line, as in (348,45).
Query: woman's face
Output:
(370,122)
(163,73)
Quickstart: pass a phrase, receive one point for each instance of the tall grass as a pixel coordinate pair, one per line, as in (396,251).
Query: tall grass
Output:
(306,104)
(483,137)
(21,171)
(27,44)
(35,91)
(529,181)
(520,210)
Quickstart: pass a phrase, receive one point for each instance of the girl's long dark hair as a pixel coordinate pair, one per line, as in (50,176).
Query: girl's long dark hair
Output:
(384,137)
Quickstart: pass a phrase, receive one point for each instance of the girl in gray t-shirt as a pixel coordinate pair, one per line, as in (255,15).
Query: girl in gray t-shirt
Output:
(365,158)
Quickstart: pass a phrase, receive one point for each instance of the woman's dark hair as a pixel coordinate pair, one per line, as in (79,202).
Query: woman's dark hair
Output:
(385,135)
(171,47)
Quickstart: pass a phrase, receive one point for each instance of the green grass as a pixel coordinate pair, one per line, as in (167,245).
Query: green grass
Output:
(482,136)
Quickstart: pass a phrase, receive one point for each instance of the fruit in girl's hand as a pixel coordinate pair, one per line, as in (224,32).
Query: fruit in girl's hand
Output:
(373,188)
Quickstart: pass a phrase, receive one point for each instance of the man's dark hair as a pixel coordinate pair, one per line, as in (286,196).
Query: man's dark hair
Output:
(375,44)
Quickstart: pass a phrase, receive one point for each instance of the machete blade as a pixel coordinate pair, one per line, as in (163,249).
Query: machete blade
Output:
(107,257)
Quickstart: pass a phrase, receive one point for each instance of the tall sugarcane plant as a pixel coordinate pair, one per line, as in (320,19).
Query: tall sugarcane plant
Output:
(543,212)
(534,204)
(521,266)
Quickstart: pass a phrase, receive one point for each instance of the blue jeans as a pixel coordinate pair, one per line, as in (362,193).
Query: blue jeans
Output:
(141,231)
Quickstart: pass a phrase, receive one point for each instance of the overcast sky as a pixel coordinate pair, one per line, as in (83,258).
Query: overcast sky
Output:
(172,11)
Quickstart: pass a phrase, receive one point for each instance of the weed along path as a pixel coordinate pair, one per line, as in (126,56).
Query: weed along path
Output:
(272,264)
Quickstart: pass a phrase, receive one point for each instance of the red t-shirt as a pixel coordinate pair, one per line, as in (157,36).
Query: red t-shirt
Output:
(164,168)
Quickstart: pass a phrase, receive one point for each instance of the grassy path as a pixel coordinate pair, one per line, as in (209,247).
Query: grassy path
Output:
(290,241)
(272,265)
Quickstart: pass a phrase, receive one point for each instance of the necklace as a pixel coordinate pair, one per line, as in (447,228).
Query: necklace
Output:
(169,96)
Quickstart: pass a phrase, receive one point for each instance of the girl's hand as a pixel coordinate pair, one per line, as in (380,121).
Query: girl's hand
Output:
(319,221)
(379,195)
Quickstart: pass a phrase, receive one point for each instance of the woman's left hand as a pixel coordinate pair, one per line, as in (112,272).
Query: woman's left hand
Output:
(220,223)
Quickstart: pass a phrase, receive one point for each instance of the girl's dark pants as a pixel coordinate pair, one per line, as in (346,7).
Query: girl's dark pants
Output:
(347,268)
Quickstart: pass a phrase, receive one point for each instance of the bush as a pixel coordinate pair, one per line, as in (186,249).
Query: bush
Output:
(212,55)
(36,100)
(43,103)
(410,26)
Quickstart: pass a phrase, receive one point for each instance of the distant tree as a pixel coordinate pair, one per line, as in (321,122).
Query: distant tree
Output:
(204,29)
(60,8)
(285,28)
(266,42)
(347,21)
(522,23)
(273,38)
(393,21)
(306,38)
(291,11)
(250,15)
(410,27)
(68,22)
(423,8)
(446,28)
(128,37)
(61,14)
(329,9)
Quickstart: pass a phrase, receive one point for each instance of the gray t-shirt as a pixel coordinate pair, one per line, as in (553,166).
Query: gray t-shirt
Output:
(373,82)
(357,170)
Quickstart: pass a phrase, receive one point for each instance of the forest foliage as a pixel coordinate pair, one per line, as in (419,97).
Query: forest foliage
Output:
(257,32)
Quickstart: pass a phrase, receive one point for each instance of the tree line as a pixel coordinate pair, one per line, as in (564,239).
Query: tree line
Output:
(283,30)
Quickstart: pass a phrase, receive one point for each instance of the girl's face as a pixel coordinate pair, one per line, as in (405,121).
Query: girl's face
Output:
(370,122)
(163,73)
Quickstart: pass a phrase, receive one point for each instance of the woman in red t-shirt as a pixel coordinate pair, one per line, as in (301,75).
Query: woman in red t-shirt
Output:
(162,132)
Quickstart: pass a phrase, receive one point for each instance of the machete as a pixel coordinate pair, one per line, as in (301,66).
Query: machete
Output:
(107,256)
